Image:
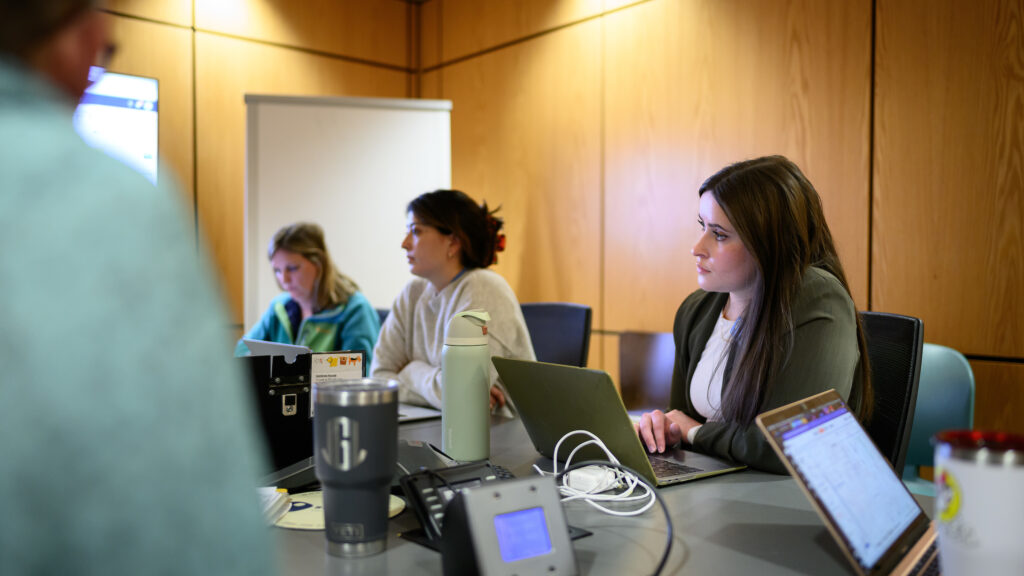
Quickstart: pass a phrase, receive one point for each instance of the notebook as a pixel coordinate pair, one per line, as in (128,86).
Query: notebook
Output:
(863,502)
(553,400)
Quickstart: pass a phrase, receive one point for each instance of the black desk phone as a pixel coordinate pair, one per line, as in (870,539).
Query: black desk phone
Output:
(430,491)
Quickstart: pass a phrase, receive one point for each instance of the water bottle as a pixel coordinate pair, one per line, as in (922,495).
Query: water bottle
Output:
(466,387)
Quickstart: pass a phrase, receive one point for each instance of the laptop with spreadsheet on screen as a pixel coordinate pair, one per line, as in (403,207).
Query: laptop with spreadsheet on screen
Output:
(870,513)
(553,400)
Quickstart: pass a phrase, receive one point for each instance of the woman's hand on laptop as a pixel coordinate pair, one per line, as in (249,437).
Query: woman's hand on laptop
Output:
(658,429)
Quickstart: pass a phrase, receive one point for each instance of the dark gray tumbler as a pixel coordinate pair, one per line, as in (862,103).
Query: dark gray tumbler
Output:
(355,440)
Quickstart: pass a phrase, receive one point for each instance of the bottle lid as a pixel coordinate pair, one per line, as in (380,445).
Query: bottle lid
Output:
(467,328)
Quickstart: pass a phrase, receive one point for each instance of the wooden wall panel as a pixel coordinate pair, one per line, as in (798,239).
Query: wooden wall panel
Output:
(430,33)
(226,70)
(469,26)
(693,85)
(164,53)
(375,31)
(999,396)
(430,85)
(948,210)
(526,135)
(170,11)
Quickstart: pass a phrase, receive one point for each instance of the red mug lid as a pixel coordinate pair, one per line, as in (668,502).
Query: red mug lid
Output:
(978,439)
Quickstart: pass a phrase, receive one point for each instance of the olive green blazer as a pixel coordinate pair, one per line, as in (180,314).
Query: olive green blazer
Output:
(824,355)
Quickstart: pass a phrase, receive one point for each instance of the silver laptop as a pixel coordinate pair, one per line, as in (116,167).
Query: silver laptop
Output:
(553,400)
(863,502)
(267,348)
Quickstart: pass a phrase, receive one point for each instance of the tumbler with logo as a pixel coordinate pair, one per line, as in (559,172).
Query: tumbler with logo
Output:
(979,502)
(355,442)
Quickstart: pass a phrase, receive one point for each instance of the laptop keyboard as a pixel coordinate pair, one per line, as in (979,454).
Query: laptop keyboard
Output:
(928,565)
(665,468)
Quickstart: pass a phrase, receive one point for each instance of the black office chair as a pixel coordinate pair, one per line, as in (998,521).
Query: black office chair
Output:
(382,313)
(646,360)
(894,350)
(560,331)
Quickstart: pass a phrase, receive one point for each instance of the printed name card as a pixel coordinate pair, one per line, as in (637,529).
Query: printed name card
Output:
(331,366)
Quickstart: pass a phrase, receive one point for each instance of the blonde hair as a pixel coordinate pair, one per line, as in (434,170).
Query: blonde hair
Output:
(332,288)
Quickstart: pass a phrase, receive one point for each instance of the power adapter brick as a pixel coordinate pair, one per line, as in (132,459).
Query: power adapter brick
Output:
(592,479)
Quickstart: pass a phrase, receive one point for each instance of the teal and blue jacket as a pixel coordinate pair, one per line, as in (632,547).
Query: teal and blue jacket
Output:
(350,326)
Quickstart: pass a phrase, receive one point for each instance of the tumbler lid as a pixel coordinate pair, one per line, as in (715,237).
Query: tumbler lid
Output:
(356,392)
(467,328)
(983,447)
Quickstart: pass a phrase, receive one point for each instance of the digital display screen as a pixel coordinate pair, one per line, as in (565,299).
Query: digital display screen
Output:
(119,114)
(522,534)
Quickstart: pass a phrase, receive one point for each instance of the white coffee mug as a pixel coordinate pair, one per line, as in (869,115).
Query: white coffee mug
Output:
(979,502)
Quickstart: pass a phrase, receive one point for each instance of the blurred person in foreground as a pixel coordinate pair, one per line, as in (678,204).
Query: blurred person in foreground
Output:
(126,444)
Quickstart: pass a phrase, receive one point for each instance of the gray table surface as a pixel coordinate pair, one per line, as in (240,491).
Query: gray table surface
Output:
(747,522)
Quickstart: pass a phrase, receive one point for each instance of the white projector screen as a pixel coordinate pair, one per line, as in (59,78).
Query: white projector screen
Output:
(349,164)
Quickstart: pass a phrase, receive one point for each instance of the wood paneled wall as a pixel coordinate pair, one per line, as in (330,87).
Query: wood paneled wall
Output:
(949,213)
(593,121)
(526,134)
(925,202)
(207,54)
(948,229)
(693,85)
(595,124)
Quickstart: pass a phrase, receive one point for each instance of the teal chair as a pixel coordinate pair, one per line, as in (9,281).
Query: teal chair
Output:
(945,400)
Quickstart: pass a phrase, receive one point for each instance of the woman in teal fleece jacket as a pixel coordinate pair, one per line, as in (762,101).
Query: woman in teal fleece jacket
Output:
(772,323)
(320,308)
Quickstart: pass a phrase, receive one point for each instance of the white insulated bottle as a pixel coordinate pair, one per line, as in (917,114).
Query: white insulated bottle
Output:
(465,387)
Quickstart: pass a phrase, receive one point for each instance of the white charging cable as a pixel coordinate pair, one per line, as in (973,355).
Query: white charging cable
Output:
(589,484)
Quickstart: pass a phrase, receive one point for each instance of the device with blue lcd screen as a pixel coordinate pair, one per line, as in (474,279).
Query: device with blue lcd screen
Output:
(511,527)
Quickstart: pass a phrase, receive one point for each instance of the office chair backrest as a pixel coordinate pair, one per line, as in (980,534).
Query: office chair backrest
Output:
(560,331)
(646,360)
(945,400)
(894,351)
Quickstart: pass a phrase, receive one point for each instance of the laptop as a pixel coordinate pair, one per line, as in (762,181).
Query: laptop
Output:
(267,348)
(553,399)
(870,513)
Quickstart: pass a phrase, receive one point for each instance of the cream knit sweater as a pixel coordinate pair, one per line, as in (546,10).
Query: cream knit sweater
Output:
(410,343)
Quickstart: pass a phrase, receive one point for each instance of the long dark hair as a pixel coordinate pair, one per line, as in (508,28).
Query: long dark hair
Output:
(777,214)
(332,288)
(476,227)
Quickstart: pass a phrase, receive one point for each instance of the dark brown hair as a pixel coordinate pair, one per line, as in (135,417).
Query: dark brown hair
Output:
(476,227)
(778,216)
(25,24)
(332,288)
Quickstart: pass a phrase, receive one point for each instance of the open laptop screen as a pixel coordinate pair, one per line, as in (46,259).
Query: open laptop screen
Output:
(849,478)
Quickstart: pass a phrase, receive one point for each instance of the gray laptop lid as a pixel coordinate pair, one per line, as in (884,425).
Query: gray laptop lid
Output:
(554,400)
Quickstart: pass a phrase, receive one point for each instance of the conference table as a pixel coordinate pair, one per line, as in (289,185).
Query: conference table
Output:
(746,522)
